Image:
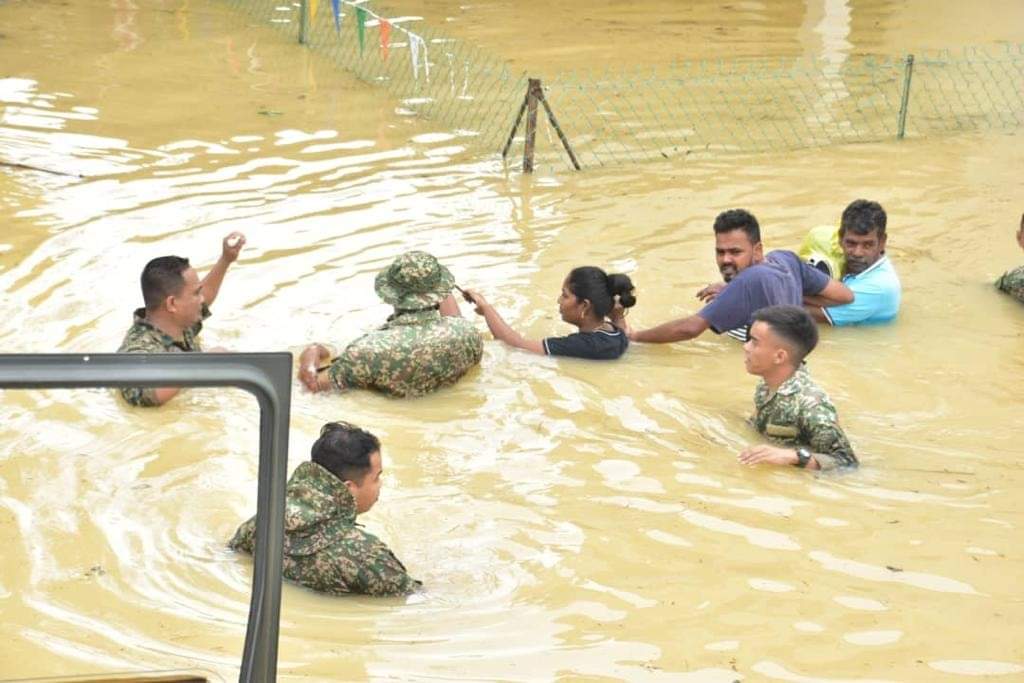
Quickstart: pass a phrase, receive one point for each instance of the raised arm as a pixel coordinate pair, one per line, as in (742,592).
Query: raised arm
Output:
(500,329)
(672,331)
(230,248)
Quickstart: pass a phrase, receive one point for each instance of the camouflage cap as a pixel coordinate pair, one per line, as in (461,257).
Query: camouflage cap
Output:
(414,280)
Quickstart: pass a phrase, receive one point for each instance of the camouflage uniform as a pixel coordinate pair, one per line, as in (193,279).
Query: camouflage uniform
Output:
(412,354)
(418,350)
(324,548)
(143,337)
(799,413)
(1012,282)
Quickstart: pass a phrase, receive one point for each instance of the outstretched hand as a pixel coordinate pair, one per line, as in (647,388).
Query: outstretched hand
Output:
(708,294)
(232,246)
(478,301)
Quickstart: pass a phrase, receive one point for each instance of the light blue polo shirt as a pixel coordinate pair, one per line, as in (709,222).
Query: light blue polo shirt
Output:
(876,297)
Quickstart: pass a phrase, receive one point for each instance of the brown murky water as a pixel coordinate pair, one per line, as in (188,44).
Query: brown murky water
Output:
(570,520)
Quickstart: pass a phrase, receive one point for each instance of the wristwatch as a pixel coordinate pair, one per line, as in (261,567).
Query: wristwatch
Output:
(803,456)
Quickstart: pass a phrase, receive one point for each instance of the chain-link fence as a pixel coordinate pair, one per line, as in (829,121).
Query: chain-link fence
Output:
(433,75)
(694,108)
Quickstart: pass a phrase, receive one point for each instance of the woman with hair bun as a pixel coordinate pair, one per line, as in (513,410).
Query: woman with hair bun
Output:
(592,300)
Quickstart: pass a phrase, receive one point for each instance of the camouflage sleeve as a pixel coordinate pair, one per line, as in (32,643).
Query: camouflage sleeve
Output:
(819,425)
(1012,282)
(245,537)
(349,371)
(378,571)
(142,397)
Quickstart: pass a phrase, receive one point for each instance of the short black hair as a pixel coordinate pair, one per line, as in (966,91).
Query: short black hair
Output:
(863,216)
(162,277)
(738,219)
(344,450)
(600,289)
(794,325)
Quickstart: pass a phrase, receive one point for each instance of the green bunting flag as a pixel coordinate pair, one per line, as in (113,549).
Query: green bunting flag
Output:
(361,26)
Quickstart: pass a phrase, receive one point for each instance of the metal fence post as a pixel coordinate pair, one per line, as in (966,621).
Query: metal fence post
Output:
(532,89)
(908,71)
(303,13)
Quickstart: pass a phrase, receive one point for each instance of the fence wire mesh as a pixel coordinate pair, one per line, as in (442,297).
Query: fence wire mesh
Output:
(699,108)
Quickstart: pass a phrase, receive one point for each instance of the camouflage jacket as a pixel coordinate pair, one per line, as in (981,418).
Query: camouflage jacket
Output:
(143,337)
(412,354)
(1012,282)
(801,414)
(324,548)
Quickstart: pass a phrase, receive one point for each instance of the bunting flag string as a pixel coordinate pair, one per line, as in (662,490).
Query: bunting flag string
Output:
(418,55)
(385,38)
(313,4)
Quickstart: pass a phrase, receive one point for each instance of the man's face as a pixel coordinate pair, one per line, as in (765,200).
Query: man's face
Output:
(187,304)
(763,350)
(367,491)
(734,253)
(861,251)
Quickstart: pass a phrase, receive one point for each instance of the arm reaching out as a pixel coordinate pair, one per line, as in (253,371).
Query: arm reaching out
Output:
(500,329)
(672,331)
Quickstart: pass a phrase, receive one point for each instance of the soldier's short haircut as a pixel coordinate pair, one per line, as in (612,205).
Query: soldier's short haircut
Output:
(794,325)
(738,219)
(344,450)
(162,277)
(862,217)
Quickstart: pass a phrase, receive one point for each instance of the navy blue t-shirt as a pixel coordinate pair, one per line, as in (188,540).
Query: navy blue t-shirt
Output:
(596,345)
(781,279)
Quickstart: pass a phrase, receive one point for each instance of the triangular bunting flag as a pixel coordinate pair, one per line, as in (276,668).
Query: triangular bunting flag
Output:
(313,4)
(385,38)
(361,26)
(336,6)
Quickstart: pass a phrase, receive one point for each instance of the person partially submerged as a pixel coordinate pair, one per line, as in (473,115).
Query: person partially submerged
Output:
(590,299)
(424,345)
(1012,281)
(789,408)
(324,548)
(177,303)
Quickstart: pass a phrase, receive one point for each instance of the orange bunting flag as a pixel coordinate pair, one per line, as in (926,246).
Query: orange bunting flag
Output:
(385,38)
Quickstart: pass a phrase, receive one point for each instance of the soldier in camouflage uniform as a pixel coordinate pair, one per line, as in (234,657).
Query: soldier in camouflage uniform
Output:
(177,302)
(1012,282)
(423,346)
(324,548)
(789,407)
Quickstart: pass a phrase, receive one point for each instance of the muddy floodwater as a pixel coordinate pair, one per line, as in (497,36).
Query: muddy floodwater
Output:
(570,520)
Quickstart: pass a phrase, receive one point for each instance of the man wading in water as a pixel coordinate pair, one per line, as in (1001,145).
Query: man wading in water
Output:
(324,548)
(789,407)
(752,281)
(177,303)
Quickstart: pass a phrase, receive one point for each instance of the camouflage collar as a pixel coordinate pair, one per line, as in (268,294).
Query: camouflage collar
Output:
(793,384)
(166,340)
(311,477)
(413,317)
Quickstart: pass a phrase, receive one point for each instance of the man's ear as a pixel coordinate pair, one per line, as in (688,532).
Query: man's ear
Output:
(781,356)
(351,486)
(170,303)
(759,251)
